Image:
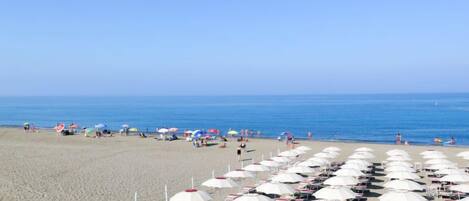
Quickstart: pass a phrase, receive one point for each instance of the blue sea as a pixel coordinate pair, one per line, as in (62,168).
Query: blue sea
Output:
(375,118)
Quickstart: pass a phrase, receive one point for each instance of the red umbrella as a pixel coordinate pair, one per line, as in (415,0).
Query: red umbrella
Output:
(213,130)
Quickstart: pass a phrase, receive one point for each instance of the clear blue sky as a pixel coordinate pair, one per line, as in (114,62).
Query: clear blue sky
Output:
(233,47)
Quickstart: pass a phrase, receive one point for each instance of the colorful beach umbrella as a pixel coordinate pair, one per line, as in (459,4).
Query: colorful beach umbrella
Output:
(100,126)
(233,132)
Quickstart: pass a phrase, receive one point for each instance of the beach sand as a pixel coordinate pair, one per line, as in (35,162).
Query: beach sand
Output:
(46,167)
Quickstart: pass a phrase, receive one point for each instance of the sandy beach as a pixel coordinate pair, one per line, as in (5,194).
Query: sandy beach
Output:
(46,167)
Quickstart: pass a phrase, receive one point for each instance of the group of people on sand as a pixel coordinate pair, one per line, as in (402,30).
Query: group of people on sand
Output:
(30,128)
(436,141)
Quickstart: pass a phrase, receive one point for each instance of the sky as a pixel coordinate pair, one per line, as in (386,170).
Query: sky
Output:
(233,47)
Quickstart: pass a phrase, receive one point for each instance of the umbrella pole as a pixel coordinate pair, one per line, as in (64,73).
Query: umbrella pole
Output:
(166,192)
(229,168)
(192,182)
(213,173)
(135,196)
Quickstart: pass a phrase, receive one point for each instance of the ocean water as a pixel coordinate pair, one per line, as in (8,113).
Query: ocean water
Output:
(418,117)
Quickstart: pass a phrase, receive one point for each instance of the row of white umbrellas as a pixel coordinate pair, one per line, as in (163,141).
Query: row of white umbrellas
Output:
(276,186)
(403,177)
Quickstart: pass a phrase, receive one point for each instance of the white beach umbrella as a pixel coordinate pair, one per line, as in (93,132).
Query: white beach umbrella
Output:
(275,188)
(270,163)
(398,158)
(399,163)
(429,152)
(401,196)
(326,155)
(341,181)
(449,171)
(434,156)
(464,188)
(463,154)
(466,157)
(281,159)
(239,174)
(288,178)
(320,160)
(361,155)
(397,152)
(163,130)
(303,148)
(256,167)
(300,170)
(220,182)
(288,154)
(331,149)
(403,185)
(335,193)
(359,161)
(455,178)
(437,161)
(364,149)
(348,172)
(399,169)
(297,151)
(442,166)
(402,175)
(356,166)
(253,197)
(310,164)
(191,195)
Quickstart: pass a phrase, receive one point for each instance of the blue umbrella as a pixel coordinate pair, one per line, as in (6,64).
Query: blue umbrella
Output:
(100,126)
(198,133)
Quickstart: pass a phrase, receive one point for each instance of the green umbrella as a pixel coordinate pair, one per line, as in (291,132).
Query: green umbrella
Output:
(133,129)
(89,131)
(232,132)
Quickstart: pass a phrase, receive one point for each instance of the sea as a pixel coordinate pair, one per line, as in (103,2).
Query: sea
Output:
(365,117)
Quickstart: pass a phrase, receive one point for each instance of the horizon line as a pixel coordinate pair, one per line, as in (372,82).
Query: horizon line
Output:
(234,95)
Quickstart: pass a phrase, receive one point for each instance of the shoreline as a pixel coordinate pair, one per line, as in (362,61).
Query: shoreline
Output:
(387,142)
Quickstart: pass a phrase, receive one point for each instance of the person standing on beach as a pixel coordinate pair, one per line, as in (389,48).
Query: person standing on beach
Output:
(398,138)
(310,135)
(238,152)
